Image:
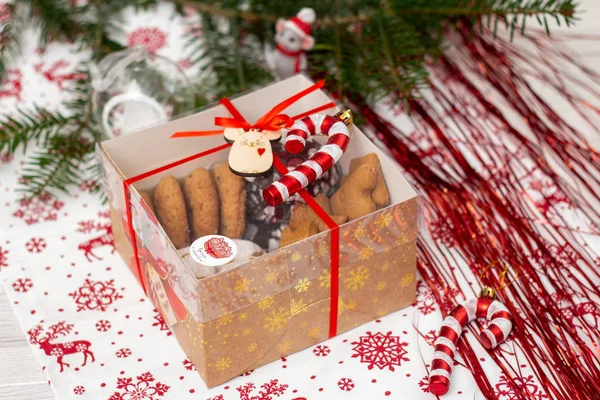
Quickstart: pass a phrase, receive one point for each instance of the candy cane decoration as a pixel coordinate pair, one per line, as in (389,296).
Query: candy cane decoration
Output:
(312,169)
(445,345)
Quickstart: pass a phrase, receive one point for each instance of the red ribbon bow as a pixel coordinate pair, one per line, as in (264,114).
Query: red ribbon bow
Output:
(273,120)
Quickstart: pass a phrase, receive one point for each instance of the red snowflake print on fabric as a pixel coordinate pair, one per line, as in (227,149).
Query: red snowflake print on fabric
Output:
(187,364)
(59,72)
(36,245)
(430,337)
(381,351)
(159,321)
(153,39)
(6,158)
(12,85)
(95,295)
(346,384)
(425,300)
(268,390)
(520,388)
(3,258)
(424,384)
(41,208)
(89,185)
(79,390)
(123,353)
(144,388)
(22,285)
(321,350)
(103,325)
(219,397)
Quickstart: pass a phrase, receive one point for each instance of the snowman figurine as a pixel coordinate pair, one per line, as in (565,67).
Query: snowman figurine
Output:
(293,39)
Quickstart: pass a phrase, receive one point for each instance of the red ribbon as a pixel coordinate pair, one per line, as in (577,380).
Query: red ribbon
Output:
(273,120)
(270,121)
(291,54)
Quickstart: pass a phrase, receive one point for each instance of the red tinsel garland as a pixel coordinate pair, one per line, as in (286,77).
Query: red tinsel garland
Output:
(497,188)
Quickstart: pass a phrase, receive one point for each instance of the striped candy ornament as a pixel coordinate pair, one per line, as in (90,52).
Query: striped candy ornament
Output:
(311,169)
(445,345)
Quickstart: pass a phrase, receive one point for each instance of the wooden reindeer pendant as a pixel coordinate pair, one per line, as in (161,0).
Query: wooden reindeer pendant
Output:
(251,153)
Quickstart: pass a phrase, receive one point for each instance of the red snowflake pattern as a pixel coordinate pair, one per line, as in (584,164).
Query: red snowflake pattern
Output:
(22,285)
(269,389)
(153,39)
(79,390)
(145,388)
(346,384)
(521,387)
(321,350)
(89,185)
(123,353)
(430,337)
(424,384)
(218,397)
(3,257)
(160,322)
(95,295)
(36,245)
(187,364)
(425,299)
(6,158)
(103,325)
(382,351)
(41,208)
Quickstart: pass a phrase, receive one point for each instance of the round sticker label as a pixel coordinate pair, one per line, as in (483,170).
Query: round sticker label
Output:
(213,250)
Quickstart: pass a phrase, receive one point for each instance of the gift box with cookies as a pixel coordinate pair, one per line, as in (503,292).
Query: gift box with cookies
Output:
(252,245)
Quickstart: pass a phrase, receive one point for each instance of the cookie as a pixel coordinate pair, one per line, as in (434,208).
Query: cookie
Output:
(146,197)
(169,205)
(302,231)
(199,270)
(354,198)
(380,194)
(202,199)
(232,197)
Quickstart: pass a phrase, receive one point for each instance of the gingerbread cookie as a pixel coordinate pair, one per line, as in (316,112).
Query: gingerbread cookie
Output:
(302,231)
(233,201)
(354,198)
(169,205)
(380,194)
(202,198)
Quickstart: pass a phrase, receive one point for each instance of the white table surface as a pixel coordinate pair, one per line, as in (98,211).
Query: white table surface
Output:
(21,376)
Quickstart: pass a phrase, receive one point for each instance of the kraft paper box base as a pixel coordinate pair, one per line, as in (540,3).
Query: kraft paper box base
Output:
(277,304)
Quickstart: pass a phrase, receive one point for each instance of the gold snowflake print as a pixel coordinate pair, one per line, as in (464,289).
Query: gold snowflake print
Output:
(358,233)
(242,285)
(246,331)
(343,306)
(384,220)
(357,278)
(407,279)
(270,277)
(322,249)
(243,316)
(252,347)
(297,306)
(276,320)
(366,253)
(314,332)
(302,285)
(385,266)
(224,363)
(325,278)
(296,256)
(381,285)
(225,320)
(266,303)
(285,346)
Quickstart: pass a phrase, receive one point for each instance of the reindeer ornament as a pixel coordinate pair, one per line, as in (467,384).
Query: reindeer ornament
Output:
(293,39)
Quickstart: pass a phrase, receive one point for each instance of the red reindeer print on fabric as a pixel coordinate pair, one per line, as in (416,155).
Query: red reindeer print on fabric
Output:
(59,350)
(106,239)
(53,73)
(12,85)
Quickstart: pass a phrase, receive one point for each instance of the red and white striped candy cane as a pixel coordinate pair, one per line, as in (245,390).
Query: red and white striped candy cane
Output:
(311,169)
(445,345)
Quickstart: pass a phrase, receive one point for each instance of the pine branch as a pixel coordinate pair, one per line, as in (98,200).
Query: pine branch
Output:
(9,35)
(57,19)
(38,126)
